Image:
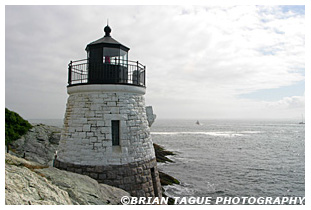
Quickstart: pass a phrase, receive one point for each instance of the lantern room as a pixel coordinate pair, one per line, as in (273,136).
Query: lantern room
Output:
(107,63)
(107,50)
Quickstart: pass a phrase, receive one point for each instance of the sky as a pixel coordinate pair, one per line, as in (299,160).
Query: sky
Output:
(203,62)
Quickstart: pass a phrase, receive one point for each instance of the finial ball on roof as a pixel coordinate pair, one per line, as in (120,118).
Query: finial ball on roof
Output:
(107,30)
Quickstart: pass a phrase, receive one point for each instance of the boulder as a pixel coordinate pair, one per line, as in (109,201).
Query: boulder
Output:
(82,189)
(38,144)
(25,187)
(28,182)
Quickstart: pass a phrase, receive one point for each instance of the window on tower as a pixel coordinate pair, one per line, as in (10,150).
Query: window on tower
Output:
(115,132)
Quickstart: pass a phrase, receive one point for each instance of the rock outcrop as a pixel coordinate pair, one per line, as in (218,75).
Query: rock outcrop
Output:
(25,187)
(30,183)
(38,144)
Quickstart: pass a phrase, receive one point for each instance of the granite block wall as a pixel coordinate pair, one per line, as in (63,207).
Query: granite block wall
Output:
(86,146)
(86,138)
(140,179)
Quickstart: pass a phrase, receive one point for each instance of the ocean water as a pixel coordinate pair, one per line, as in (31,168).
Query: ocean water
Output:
(233,158)
(226,158)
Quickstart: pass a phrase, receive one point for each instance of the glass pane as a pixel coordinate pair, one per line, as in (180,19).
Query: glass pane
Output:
(111,52)
(123,58)
(111,55)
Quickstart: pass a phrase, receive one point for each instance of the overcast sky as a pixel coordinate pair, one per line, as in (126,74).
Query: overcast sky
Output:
(203,62)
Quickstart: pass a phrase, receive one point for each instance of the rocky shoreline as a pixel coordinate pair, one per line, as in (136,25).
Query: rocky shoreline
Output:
(31,179)
(30,183)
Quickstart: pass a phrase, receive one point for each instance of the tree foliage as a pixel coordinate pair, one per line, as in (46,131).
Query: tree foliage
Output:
(15,126)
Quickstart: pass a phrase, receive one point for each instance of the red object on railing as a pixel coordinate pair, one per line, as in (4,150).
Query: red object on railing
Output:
(107,59)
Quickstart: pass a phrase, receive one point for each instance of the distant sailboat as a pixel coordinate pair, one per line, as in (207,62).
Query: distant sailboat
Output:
(198,123)
(302,122)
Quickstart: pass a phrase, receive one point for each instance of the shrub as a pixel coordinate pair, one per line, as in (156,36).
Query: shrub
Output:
(15,126)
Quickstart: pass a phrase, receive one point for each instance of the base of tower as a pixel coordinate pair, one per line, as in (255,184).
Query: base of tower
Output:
(140,179)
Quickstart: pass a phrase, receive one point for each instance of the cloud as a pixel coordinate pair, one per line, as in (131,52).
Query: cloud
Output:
(196,56)
(293,102)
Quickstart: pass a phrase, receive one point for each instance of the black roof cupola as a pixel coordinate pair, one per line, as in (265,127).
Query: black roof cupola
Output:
(106,41)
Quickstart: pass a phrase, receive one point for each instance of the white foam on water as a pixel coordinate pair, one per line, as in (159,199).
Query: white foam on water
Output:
(223,133)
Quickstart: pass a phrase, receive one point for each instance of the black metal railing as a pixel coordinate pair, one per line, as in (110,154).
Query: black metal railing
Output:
(123,72)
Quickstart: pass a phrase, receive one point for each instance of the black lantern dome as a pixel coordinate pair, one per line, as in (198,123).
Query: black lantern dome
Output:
(106,41)
(107,63)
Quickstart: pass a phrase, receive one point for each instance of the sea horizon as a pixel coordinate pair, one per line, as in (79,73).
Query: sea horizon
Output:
(57,121)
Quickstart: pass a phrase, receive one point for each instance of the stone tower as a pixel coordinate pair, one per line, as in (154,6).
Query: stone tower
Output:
(106,134)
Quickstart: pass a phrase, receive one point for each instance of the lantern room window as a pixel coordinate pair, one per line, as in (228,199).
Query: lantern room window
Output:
(123,58)
(114,56)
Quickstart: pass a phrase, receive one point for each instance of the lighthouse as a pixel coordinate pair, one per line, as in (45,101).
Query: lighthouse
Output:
(105,133)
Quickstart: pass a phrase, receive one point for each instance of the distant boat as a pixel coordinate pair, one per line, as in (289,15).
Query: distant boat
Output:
(198,123)
(302,122)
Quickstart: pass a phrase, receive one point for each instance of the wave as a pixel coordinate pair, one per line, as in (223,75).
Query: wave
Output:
(223,133)
(252,132)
